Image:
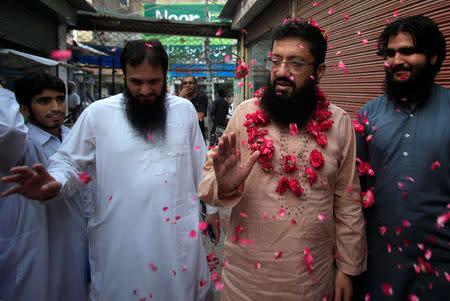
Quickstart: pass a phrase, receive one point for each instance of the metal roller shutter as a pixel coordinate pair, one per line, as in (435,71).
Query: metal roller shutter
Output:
(365,69)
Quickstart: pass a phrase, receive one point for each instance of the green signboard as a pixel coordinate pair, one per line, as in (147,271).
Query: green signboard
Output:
(181,48)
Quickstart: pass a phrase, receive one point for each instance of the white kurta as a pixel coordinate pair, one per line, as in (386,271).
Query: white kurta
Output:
(43,248)
(138,248)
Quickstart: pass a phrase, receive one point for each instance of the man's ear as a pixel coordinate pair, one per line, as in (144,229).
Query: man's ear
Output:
(321,70)
(25,111)
(433,59)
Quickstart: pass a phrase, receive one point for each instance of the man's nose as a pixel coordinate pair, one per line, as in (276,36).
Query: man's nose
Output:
(283,71)
(145,89)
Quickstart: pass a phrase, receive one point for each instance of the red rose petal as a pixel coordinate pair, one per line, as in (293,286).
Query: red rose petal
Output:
(387,289)
(193,234)
(278,255)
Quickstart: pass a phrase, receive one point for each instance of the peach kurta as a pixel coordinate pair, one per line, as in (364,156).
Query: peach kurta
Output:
(336,242)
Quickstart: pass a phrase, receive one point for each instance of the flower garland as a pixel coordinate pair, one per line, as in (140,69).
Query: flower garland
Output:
(317,127)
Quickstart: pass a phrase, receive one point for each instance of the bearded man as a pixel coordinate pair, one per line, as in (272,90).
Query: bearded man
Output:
(405,139)
(147,152)
(296,227)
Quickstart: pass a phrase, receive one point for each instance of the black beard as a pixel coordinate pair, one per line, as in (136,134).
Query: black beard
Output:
(416,90)
(146,118)
(297,108)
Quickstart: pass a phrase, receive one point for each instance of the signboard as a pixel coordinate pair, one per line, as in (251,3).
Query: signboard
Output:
(198,70)
(180,48)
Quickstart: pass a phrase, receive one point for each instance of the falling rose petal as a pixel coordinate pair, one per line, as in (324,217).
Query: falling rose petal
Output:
(224,264)
(253,61)
(346,72)
(359,33)
(110,198)
(193,234)
(308,260)
(312,77)
(243,214)
(167,219)
(250,85)
(398,230)
(349,188)
(219,32)
(300,46)
(367,297)
(387,289)
(365,41)
(279,93)
(345,16)
(388,22)
(389,247)
(420,246)
(239,229)
(183,269)
(341,65)
(291,77)
(322,217)
(395,13)
(202,225)
(84,177)
(293,129)
(293,221)
(149,137)
(165,208)
(401,185)
(149,45)
(174,272)
(315,3)
(61,55)
(403,99)
(386,64)
(202,282)
(241,84)
(430,286)
(331,11)
(331,46)
(193,199)
(339,53)
(244,31)
(135,292)
(247,241)
(412,297)
(447,276)
(197,148)
(282,212)
(427,254)
(257,265)
(442,219)
(227,58)
(405,195)
(152,266)
(274,217)
(336,256)
(177,217)
(383,230)
(219,286)
(435,164)
(405,223)
(143,299)
(278,255)
(265,216)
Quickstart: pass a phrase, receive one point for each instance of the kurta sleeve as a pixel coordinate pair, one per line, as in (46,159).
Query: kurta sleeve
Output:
(75,154)
(13,132)
(350,231)
(208,189)
(362,153)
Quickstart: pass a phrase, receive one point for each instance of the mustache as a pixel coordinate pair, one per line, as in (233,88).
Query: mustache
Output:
(400,68)
(283,79)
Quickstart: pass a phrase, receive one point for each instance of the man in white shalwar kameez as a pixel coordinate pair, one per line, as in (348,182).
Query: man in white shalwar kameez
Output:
(147,153)
(43,247)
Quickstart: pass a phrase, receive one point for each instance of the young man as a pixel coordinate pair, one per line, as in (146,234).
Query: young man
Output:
(200,102)
(219,112)
(43,254)
(408,152)
(296,227)
(74,101)
(147,152)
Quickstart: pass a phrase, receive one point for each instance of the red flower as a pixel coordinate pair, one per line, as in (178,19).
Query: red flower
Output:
(282,185)
(316,159)
(311,175)
(267,166)
(364,168)
(293,129)
(289,163)
(295,187)
(258,93)
(322,115)
(84,177)
(325,125)
(359,128)
(322,139)
(242,70)
(367,198)
(313,128)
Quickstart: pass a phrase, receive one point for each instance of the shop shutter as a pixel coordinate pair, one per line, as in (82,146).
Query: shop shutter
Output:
(365,69)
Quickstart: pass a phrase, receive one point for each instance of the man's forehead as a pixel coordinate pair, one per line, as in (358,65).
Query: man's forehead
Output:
(291,47)
(49,93)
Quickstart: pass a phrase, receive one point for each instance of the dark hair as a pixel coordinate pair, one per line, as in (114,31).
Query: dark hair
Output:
(189,75)
(425,33)
(307,30)
(220,92)
(136,51)
(34,83)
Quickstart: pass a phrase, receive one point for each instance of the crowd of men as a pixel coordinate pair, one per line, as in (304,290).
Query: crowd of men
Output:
(323,207)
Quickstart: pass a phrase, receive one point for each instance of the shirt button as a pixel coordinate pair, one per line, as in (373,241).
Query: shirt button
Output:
(407,135)
(411,115)
(405,154)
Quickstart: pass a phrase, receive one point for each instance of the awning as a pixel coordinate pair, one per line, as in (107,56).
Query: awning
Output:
(17,60)
(80,48)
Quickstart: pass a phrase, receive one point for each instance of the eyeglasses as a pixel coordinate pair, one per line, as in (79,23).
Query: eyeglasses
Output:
(389,52)
(274,63)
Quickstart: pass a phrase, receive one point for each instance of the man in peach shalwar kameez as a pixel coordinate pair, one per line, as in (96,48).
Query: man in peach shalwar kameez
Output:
(286,165)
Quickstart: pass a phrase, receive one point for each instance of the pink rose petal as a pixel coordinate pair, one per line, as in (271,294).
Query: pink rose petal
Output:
(219,32)
(193,234)
(61,55)
(322,217)
(278,255)
(202,225)
(153,267)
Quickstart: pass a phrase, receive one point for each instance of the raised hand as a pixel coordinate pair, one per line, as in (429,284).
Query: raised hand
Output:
(35,184)
(230,171)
